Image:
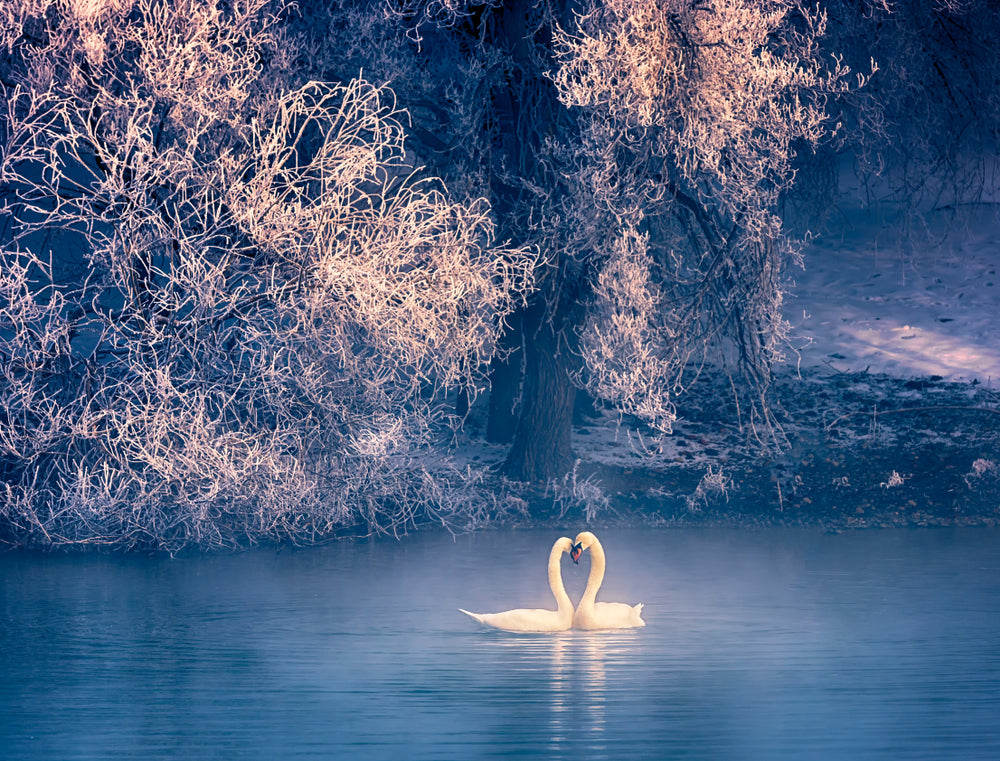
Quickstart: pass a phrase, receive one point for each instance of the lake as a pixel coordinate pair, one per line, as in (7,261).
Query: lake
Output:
(770,644)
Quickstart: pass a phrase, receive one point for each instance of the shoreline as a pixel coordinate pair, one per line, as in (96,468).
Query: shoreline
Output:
(862,451)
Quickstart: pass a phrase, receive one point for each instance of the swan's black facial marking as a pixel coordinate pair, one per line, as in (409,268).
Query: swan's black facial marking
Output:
(576,551)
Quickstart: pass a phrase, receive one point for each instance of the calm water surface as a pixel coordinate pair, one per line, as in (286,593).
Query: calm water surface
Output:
(759,645)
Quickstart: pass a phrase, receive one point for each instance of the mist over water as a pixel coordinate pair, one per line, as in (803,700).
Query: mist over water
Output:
(776,644)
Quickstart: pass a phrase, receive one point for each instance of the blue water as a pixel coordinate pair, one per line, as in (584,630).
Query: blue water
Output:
(773,644)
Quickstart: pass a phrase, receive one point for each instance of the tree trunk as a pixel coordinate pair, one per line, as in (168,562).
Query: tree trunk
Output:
(505,384)
(462,402)
(542,446)
(528,113)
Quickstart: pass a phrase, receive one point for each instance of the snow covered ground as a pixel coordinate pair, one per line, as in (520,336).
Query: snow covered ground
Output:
(866,301)
(869,301)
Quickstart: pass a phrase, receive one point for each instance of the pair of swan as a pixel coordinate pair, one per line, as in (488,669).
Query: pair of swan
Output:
(589,614)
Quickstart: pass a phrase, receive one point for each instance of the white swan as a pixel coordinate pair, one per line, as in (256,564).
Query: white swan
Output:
(600,615)
(534,619)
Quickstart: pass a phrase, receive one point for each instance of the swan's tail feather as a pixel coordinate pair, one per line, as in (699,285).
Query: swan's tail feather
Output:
(476,616)
(638,613)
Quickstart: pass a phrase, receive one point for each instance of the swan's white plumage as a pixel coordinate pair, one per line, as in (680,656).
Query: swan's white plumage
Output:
(538,619)
(591,614)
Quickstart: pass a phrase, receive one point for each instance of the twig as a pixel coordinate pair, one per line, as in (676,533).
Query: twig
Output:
(914,409)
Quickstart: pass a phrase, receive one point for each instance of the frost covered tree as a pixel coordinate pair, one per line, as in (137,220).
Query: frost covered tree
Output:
(923,134)
(229,304)
(640,148)
(691,116)
(293,229)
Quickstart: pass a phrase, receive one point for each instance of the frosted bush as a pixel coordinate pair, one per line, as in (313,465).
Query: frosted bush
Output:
(894,480)
(574,493)
(272,301)
(713,484)
(982,471)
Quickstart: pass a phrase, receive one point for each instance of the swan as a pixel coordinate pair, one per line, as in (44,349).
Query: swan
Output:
(534,619)
(600,615)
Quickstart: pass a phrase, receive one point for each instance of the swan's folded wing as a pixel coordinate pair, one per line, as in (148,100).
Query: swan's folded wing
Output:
(611,615)
(524,620)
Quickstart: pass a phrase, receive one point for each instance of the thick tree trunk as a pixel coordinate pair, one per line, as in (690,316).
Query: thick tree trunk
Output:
(542,446)
(527,114)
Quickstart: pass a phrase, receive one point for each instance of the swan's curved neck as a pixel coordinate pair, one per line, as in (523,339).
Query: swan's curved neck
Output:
(564,604)
(596,578)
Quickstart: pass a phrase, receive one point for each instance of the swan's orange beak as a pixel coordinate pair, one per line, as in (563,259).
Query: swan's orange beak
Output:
(576,551)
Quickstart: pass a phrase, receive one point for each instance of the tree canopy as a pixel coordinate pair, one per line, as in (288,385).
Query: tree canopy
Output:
(251,250)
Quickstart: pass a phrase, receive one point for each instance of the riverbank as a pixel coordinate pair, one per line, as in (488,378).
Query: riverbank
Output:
(860,451)
(890,410)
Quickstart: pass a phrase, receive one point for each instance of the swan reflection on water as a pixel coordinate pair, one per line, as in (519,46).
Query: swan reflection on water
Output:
(579,668)
(561,676)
